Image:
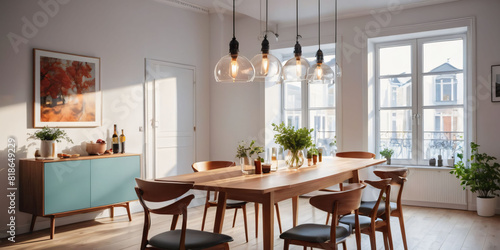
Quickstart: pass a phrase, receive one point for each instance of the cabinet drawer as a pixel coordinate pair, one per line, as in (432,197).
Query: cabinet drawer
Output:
(66,186)
(113,180)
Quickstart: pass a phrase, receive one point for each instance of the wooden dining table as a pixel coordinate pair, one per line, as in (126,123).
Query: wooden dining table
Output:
(273,187)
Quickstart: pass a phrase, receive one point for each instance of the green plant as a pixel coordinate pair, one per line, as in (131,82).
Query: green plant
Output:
(387,153)
(312,150)
(480,172)
(291,139)
(248,151)
(50,134)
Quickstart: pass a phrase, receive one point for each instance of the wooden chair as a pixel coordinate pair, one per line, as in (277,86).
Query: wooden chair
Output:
(372,223)
(324,236)
(398,178)
(230,204)
(152,191)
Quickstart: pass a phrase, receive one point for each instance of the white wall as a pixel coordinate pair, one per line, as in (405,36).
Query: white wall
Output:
(122,33)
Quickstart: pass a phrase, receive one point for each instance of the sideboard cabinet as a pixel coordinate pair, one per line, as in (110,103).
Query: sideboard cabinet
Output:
(57,188)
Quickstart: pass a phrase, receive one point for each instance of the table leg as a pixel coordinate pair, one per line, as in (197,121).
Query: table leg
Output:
(268,221)
(256,219)
(52,227)
(295,209)
(33,220)
(221,210)
(355,177)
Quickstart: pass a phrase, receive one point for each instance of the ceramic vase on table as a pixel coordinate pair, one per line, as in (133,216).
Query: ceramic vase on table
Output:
(294,159)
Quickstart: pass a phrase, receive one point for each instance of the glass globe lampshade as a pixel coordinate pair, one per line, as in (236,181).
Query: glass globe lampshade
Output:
(267,67)
(320,72)
(234,69)
(295,69)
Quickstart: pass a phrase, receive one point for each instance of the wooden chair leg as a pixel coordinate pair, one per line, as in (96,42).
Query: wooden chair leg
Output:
(286,245)
(245,221)
(403,233)
(386,243)
(112,212)
(278,216)
(327,218)
(33,220)
(344,245)
(128,212)
(234,219)
(373,240)
(204,218)
(256,206)
(52,227)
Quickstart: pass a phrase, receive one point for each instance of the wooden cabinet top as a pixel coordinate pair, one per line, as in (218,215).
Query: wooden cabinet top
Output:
(90,157)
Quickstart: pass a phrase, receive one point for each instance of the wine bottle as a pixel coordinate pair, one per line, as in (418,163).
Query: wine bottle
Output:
(122,141)
(116,146)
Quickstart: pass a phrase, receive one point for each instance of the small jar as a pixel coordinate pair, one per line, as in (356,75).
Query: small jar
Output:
(432,162)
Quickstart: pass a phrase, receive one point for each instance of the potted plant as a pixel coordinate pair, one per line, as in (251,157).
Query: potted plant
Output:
(313,151)
(481,173)
(387,153)
(49,138)
(245,153)
(293,140)
(309,158)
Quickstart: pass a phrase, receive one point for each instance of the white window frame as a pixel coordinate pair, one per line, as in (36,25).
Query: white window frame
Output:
(417,105)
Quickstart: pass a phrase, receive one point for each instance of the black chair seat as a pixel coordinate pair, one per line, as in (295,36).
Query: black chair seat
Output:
(232,203)
(194,239)
(364,221)
(314,233)
(367,206)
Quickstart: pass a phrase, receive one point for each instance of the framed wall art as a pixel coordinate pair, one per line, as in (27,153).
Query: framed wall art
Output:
(495,83)
(67,90)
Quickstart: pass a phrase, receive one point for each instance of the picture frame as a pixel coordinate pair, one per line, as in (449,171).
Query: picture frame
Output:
(66,90)
(495,83)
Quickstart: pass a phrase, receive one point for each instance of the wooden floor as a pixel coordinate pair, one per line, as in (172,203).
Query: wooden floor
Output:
(427,228)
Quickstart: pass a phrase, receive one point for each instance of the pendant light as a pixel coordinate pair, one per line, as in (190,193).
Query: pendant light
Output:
(234,67)
(320,72)
(267,66)
(295,69)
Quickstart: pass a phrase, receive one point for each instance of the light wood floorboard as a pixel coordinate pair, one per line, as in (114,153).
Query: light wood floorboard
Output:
(427,228)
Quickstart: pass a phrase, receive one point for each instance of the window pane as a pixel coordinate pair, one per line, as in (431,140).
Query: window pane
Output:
(443,56)
(443,132)
(292,95)
(444,89)
(323,123)
(395,92)
(321,95)
(293,118)
(395,60)
(395,132)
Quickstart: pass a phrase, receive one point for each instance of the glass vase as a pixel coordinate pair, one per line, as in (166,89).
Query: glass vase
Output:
(294,159)
(247,165)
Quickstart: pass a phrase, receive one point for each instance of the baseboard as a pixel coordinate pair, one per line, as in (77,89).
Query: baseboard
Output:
(434,204)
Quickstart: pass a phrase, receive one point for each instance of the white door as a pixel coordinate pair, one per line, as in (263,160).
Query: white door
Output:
(170,111)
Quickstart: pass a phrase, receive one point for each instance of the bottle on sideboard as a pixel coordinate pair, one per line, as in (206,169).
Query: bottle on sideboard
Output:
(116,146)
(122,142)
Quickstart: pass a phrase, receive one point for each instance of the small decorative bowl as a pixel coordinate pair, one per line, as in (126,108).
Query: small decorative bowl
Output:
(96,148)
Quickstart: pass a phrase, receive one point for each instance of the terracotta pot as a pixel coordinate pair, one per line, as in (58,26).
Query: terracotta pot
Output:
(258,166)
(315,159)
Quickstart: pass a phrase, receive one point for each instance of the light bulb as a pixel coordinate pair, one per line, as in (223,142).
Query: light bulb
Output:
(298,66)
(234,68)
(265,65)
(319,72)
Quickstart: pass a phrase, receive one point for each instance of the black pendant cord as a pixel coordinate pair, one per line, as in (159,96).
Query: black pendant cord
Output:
(319,24)
(233,20)
(267,7)
(297,19)
(336,20)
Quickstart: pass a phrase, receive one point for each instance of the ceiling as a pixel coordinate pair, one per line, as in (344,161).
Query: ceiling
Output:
(282,12)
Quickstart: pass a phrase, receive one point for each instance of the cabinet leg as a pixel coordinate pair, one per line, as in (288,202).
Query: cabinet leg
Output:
(128,212)
(52,227)
(112,212)
(33,220)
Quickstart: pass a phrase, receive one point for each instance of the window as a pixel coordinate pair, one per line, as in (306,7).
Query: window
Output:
(311,105)
(420,93)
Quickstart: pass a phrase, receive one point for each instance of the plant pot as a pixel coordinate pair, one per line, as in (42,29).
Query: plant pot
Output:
(258,166)
(309,161)
(247,165)
(486,206)
(294,159)
(48,149)
(315,159)
(388,162)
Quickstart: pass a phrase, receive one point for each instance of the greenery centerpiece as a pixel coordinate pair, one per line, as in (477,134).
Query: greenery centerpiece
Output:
(245,153)
(481,174)
(387,154)
(294,140)
(49,137)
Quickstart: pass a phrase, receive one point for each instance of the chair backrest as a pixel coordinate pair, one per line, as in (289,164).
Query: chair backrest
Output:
(385,190)
(155,191)
(356,154)
(342,202)
(210,165)
(398,178)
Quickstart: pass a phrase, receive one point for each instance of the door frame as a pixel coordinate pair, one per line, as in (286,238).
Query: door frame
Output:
(149,159)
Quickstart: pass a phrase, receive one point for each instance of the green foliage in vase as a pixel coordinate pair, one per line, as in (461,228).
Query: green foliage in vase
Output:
(387,153)
(480,172)
(292,139)
(312,151)
(247,151)
(50,134)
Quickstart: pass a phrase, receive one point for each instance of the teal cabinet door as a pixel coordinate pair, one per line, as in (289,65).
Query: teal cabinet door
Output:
(113,180)
(67,186)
